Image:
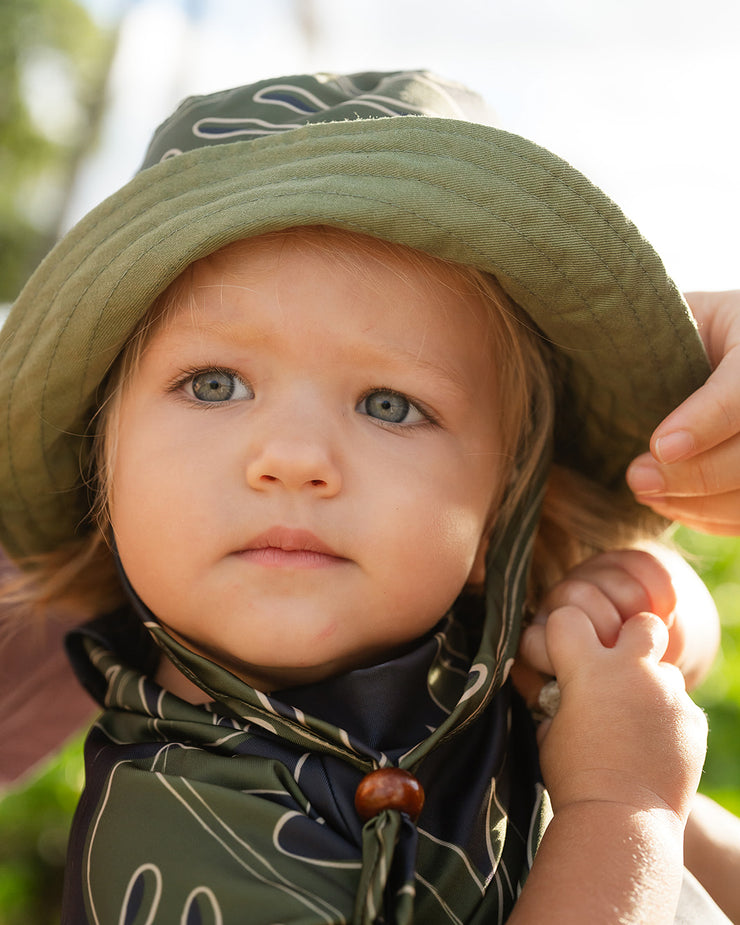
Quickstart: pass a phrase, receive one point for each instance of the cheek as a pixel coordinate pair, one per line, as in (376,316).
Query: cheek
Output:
(433,556)
(464,530)
(147,513)
(138,531)
(157,474)
(457,532)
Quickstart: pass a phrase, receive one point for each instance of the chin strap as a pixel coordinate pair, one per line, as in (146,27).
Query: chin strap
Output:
(396,862)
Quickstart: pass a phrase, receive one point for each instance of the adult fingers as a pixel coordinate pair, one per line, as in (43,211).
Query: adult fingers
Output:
(716,514)
(717,316)
(707,418)
(712,414)
(713,472)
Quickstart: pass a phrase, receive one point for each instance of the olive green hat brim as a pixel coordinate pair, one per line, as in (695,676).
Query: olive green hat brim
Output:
(470,193)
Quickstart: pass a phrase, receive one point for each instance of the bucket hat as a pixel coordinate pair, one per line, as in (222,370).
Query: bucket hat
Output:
(402,156)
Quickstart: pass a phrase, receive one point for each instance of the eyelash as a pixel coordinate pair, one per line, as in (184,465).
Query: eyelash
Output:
(429,418)
(186,376)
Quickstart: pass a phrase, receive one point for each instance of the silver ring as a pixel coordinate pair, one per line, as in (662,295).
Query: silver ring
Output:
(548,699)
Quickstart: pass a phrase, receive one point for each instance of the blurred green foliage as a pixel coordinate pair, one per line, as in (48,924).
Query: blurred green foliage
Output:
(34,826)
(718,562)
(34,821)
(53,63)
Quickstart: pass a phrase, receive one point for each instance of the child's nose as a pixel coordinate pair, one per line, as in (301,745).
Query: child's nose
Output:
(296,464)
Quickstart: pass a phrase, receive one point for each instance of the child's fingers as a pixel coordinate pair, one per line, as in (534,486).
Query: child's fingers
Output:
(529,682)
(644,636)
(533,649)
(655,577)
(571,639)
(589,597)
(613,586)
(633,579)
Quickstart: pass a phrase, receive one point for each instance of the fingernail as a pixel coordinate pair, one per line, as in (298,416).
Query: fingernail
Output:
(645,479)
(675,446)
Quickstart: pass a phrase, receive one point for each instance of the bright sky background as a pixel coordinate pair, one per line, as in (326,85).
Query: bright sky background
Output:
(641,95)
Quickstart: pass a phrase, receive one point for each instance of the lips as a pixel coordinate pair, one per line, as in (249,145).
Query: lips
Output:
(282,547)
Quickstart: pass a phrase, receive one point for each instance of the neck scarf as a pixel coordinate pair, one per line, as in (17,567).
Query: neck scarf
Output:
(242,809)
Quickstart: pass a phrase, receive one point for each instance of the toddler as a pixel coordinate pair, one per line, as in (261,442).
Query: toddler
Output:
(312,412)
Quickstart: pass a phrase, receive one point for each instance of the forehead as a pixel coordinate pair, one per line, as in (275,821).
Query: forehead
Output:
(328,268)
(369,260)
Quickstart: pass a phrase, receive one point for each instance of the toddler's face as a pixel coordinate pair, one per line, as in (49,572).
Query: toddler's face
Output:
(306,459)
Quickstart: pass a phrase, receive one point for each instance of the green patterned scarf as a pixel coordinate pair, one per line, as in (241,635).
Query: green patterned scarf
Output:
(242,809)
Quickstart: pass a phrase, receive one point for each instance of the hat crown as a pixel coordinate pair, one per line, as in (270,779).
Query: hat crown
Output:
(274,106)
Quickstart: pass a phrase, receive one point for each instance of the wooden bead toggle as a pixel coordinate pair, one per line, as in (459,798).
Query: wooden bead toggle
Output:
(389,788)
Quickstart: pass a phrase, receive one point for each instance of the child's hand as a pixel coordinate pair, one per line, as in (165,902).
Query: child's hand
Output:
(610,588)
(626,730)
(692,473)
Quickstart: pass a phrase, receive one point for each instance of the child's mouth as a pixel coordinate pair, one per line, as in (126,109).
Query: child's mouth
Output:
(285,547)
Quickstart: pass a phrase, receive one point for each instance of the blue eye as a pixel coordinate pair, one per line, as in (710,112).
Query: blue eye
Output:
(390,407)
(217,385)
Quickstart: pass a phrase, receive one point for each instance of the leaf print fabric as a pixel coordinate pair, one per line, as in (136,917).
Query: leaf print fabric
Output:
(199,811)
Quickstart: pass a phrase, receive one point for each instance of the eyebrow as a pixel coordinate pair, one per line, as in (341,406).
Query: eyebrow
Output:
(445,374)
(236,334)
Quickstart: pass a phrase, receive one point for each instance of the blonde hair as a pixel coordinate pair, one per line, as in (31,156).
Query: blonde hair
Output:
(579,517)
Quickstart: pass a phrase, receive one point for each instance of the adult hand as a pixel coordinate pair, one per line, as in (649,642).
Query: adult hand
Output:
(692,473)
